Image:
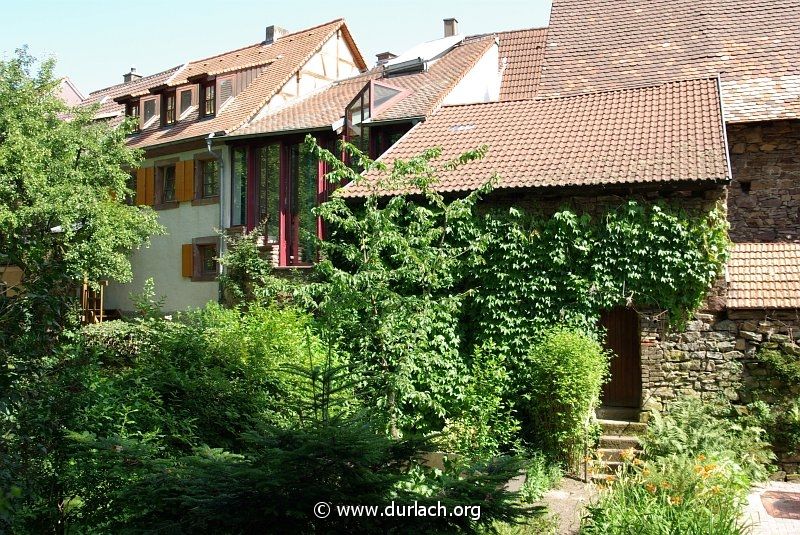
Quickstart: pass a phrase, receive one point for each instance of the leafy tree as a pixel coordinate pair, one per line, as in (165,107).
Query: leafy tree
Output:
(62,218)
(389,295)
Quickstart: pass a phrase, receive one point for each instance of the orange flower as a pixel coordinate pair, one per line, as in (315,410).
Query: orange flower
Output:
(650,488)
(676,500)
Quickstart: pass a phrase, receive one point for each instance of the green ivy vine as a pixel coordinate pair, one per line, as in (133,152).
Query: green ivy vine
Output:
(536,271)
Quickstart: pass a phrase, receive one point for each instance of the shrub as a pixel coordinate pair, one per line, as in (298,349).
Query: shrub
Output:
(557,387)
(676,494)
(706,427)
(541,475)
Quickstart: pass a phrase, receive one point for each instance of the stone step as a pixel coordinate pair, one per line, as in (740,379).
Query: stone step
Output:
(613,454)
(622,442)
(619,427)
(626,414)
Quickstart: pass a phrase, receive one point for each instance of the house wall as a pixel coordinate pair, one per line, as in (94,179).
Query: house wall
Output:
(334,61)
(716,355)
(161,260)
(480,84)
(765,157)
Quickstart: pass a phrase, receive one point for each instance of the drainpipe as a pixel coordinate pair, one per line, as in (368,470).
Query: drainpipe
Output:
(221,163)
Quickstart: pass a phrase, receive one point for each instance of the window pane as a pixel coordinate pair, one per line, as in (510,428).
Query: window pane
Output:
(169,113)
(209,96)
(383,94)
(303,183)
(239,188)
(210,175)
(208,264)
(149,109)
(186,100)
(168,174)
(268,183)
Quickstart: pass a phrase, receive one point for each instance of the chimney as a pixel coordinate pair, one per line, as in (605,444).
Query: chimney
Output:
(383,57)
(131,76)
(450,27)
(274,33)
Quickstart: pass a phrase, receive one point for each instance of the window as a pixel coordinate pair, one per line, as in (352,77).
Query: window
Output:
(355,115)
(186,100)
(302,231)
(169,109)
(149,110)
(209,99)
(199,259)
(209,178)
(239,187)
(268,169)
(130,197)
(132,110)
(224,91)
(165,186)
(382,94)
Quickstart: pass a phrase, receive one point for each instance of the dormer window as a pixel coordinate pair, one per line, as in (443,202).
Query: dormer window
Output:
(187,98)
(132,110)
(168,117)
(208,104)
(224,91)
(149,110)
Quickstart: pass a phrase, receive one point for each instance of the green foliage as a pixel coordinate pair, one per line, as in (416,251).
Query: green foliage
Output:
(537,271)
(145,303)
(62,183)
(677,494)
(695,427)
(541,475)
(784,362)
(388,293)
(556,388)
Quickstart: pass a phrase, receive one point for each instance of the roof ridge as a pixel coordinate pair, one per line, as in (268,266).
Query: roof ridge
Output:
(589,93)
(262,42)
(283,81)
(165,71)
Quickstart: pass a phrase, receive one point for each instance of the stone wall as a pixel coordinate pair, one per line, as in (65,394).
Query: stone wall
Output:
(764,197)
(716,355)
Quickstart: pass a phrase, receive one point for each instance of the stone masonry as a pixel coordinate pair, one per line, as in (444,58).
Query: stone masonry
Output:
(764,196)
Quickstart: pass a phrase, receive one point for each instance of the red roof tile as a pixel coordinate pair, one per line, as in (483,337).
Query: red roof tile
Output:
(669,132)
(523,53)
(764,275)
(597,45)
(426,91)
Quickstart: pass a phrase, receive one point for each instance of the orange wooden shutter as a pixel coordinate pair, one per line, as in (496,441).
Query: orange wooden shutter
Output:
(149,186)
(179,181)
(187,267)
(140,186)
(188,180)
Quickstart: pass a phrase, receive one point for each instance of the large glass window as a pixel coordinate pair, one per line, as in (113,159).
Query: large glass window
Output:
(303,192)
(209,176)
(268,173)
(239,188)
(355,115)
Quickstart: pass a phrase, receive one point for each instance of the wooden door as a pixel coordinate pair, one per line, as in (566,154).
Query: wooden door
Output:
(624,389)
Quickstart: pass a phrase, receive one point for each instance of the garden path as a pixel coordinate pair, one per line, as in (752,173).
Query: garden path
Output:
(567,502)
(774,509)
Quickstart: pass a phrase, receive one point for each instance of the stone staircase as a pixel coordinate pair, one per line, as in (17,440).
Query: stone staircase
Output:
(621,430)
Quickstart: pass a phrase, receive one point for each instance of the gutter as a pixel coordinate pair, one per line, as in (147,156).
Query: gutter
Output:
(217,155)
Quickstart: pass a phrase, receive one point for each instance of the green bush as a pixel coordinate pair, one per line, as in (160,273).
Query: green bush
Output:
(556,388)
(694,427)
(541,475)
(676,495)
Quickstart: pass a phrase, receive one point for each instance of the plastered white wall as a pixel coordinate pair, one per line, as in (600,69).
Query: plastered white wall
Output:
(162,259)
(480,84)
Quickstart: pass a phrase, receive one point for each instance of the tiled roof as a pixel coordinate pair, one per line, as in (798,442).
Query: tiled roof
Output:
(318,110)
(596,45)
(426,91)
(288,54)
(764,275)
(523,52)
(669,132)
(105,97)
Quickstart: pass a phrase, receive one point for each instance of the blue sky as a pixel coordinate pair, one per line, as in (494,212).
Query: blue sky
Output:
(95,41)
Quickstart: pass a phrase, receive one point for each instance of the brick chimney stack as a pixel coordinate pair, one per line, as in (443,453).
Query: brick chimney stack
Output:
(131,76)
(450,27)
